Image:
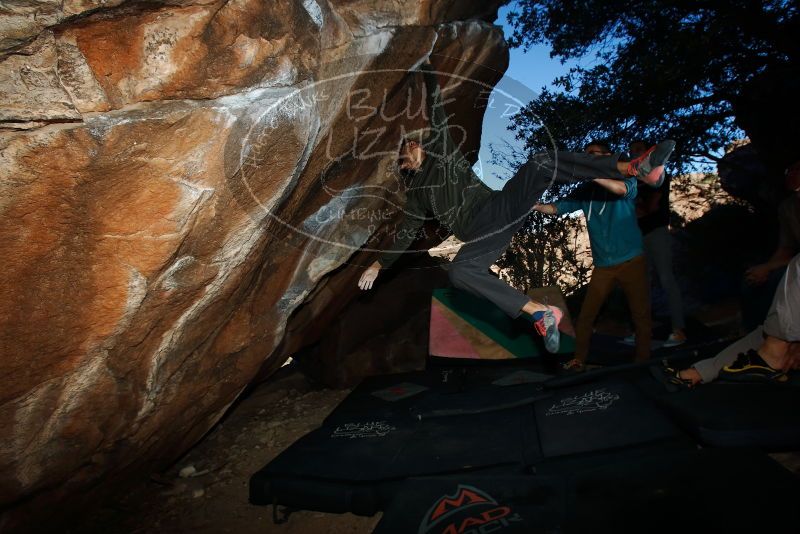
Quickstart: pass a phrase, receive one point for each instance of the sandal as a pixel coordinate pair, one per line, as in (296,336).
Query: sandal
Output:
(670,377)
(573,366)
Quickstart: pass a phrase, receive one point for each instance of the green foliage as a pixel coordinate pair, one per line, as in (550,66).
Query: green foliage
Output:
(652,69)
(544,253)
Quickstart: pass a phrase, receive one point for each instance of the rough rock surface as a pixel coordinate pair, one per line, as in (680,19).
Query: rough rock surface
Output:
(176,180)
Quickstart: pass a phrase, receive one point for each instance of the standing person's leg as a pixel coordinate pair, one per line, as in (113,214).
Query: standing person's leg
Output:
(658,247)
(600,285)
(649,245)
(633,279)
(649,268)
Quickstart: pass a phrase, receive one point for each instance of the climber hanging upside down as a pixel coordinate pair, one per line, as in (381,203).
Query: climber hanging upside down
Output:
(440,181)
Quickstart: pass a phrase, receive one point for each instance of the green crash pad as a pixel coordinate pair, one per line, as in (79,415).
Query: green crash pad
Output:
(467,326)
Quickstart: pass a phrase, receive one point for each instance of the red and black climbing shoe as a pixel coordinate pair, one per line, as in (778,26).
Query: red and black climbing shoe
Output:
(546,323)
(649,167)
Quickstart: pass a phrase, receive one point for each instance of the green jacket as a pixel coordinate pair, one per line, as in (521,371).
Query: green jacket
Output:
(445,187)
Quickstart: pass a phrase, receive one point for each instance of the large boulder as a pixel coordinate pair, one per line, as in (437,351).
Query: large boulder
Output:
(177,179)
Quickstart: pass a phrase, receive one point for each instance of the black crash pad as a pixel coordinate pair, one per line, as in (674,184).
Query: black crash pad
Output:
(470,504)
(448,421)
(766,416)
(599,415)
(325,469)
(707,490)
(392,427)
(441,391)
(665,490)
(611,350)
(388,431)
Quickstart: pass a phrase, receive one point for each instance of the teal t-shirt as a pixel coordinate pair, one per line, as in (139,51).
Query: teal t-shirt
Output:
(613,230)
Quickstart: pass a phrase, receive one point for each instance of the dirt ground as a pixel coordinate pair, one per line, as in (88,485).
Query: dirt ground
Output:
(214,499)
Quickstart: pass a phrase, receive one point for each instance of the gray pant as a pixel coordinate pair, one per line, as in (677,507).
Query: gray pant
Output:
(782,322)
(497,220)
(783,318)
(658,250)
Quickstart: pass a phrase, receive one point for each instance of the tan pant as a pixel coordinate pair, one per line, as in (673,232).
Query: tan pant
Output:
(632,276)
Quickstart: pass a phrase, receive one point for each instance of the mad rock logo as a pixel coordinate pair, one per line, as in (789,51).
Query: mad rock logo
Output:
(591,401)
(468,511)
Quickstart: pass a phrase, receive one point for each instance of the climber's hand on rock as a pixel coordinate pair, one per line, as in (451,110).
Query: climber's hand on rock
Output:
(369,275)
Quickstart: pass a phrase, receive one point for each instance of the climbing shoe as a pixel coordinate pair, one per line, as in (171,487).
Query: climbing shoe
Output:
(649,167)
(546,324)
(750,367)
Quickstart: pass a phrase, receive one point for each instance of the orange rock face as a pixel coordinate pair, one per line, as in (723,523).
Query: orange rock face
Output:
(176,181)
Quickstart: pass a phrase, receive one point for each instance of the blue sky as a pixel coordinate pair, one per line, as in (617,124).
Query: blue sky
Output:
(534,68)
(527,73)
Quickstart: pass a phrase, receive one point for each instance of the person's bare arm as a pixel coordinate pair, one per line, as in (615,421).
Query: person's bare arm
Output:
(549,209)
(758,274)
(784,252)
(618,187)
